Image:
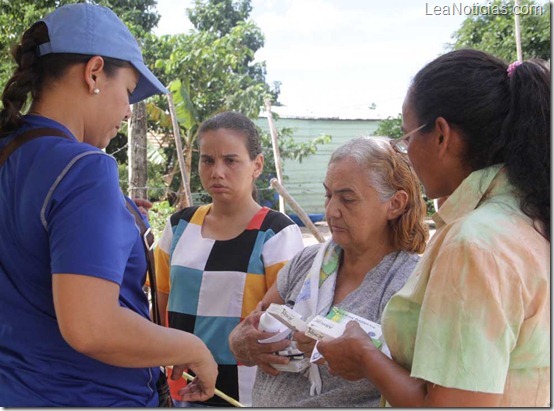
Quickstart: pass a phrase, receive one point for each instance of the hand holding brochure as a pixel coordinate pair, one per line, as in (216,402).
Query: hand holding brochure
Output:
(334,324)
(297,361)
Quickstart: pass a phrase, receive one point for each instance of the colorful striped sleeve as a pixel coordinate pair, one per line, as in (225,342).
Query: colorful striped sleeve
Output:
(162,259)
(279,249)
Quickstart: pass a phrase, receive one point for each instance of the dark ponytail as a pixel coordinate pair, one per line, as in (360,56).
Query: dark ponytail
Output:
(503,119)
(526,132)
(25,79)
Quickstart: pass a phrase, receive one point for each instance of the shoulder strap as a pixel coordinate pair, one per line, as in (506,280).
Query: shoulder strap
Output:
(148,242)
(145,232)
(26,137)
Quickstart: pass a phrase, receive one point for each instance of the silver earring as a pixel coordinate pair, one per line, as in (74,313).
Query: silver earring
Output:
(96,91)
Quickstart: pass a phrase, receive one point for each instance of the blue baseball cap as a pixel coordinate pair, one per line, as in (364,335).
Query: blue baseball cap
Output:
(96,30)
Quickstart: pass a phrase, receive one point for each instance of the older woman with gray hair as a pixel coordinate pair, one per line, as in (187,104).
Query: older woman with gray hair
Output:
(375,213)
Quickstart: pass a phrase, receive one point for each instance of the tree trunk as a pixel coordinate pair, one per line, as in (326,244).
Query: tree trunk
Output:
(168,180)
(188,161)
(138,175)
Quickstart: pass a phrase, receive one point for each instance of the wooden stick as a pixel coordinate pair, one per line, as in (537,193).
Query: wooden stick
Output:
(220,394)
(518,34)
(179,147)
(297,209)
(276,154)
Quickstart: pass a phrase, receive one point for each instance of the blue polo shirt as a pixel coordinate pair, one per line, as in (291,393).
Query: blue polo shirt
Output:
(62,211)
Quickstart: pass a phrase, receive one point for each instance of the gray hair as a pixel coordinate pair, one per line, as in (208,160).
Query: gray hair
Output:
(369,153)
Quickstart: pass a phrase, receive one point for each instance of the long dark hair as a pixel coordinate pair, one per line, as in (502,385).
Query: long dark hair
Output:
(503,118)
(33,72)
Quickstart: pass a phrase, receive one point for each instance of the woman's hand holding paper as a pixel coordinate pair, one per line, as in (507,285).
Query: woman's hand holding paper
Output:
(347,356)
(245,345)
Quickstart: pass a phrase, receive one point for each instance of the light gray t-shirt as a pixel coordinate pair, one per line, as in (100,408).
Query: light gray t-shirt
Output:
(368,301)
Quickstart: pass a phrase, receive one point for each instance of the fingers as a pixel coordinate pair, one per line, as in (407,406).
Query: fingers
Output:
(260,348)
(254,318)
(252,321)
(258,308)
(354,330)
(177,372)
(244,342)
(306,348)
(303,342)
(267,361)
(324,350)
(193,397)
(272,359)
(143,205)
(142,202)
(195,391)
(323,347)
(206,372)
(268,369)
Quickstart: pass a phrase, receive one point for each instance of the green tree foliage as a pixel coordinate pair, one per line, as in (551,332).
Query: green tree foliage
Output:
(218,71)
(209,70)
(140,15)
(17,15)
(219,16)
(390,127)
(215,72)
(495,32)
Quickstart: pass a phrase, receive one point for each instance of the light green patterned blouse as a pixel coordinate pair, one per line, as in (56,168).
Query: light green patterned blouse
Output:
(475,314)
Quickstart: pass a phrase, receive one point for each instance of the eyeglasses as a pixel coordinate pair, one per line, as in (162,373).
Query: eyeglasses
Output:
(401,144)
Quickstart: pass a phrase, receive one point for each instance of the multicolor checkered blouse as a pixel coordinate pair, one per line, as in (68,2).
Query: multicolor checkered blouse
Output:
(213,285)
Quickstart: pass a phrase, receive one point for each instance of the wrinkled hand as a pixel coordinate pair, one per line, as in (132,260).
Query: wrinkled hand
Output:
(344,354)
(143,205)
(244,345)
(202,387)
(304,343)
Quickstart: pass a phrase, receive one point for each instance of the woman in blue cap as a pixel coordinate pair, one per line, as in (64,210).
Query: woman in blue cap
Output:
(74,320)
